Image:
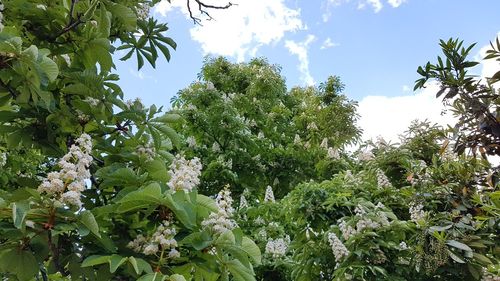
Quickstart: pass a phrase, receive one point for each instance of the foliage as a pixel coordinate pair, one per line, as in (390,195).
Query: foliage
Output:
(251,133)
(86,193)
(473,101)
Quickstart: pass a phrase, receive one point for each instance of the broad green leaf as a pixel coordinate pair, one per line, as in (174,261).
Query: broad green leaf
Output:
(115,261)
(88,220)
(157,170)
(458,245)
(21,263)
(95,260)
(239,271)
(19,211)
(176,277)
(251,249)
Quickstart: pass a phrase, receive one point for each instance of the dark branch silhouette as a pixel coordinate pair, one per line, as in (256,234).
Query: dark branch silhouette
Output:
(203,9)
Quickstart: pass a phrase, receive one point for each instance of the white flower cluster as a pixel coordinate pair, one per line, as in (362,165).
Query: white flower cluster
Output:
(1,16)
(332,153)
(403,246)
(269,196)
(382,179)
(277,248)
(417,212)
(143,11)
(312,126)
(161,240)
(184,174)
(191,141)
(66,185)
(3,159)
(324,143)
(259,221)
(365,155)
(243,202)
(215,147)
(338,248)
(89,100)
(221,221)
(296,139)
(147,151)
(364,221)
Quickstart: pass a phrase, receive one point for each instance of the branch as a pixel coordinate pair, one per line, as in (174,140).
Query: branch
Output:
(203,7)
(72,23)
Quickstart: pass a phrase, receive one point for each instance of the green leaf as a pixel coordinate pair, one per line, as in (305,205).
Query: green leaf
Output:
(88,220)
(19,211)
(206,202)
(239,271)
(21,263)
(458,245)
(157,170)
(95,260)
(49,67)
(197,240)
(116,261)
(455,257)
(251,249)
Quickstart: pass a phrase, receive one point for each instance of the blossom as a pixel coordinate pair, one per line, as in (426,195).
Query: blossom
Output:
(260,135)
(221,221)
(143,11)
(312,126)
(324,143)
(365,155)
(416,212)
(296,139)
(191,141)
(338,248)
(210,86)
(243,202)
(276,248)
(216,147)
(269,196)
(332,153)
(184,174)
(66,185)
(3,159)
(347,230)
(403,246)
(162,239)
(382,179)
(147,151)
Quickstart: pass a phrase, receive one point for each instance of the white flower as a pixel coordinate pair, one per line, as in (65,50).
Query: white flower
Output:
(221,221)
(338,248)
(184,174)
(151,249)
(243,202)
(3,159)
(365,155)
(143,11)
(65,186)
(382,179)
(416,212)
(259,221)
(210,86)
(332,153)
(174,254)
(347,230)
(216,147)
(324,143)
(41,7)
(403,246)
(67,59)
(276,248)
(312,126)
(260,135)
(191,141)
(269,196)
(297,139)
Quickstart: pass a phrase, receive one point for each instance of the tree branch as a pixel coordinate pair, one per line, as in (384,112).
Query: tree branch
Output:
(203,7)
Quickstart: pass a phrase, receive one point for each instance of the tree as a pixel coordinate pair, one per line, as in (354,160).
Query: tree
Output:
(251,133)
(90,189)
(475,102)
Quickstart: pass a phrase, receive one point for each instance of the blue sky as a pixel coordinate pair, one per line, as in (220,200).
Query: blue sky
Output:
(375,47)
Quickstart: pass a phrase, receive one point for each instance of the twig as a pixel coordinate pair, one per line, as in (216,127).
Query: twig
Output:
(202,8)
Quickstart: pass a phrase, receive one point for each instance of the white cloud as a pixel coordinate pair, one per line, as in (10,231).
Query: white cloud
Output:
(300,49)
(328,43)
(376,4)
(240,30)
(406,88)
(490,66)
(391,116)
(395,3)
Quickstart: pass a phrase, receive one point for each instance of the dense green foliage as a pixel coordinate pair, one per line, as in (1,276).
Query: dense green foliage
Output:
(86,193)
(93,187)
(250,132)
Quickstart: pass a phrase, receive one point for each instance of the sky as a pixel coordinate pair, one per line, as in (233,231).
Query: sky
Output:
(375,46)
